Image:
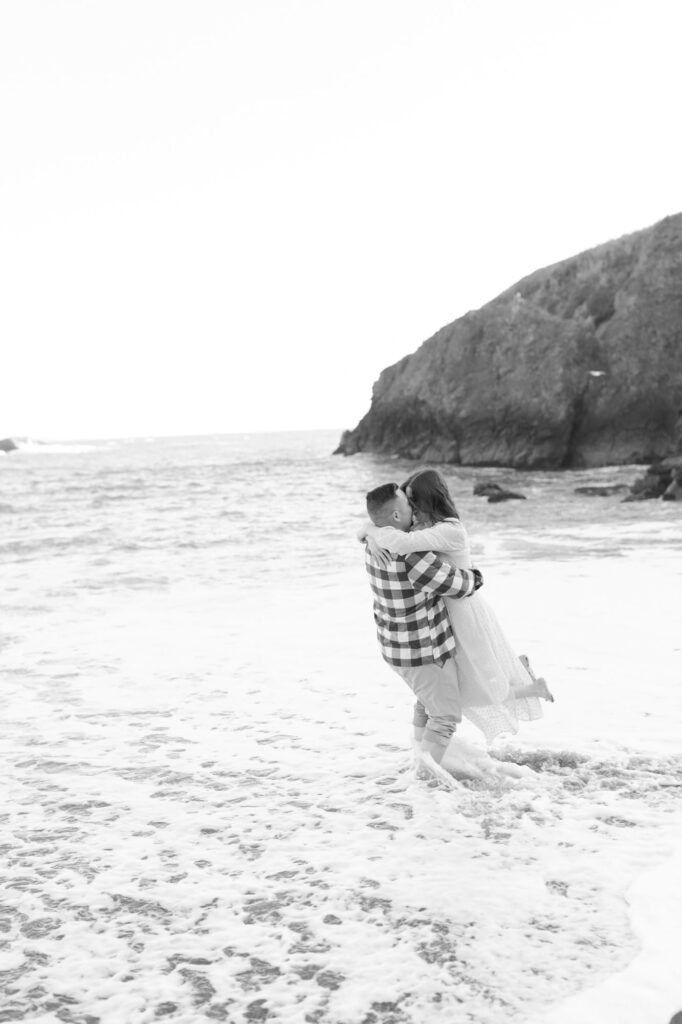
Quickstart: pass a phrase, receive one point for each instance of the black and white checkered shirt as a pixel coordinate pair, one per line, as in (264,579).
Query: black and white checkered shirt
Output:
(412,621)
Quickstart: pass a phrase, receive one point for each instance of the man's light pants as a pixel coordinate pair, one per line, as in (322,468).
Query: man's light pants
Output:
(438,708)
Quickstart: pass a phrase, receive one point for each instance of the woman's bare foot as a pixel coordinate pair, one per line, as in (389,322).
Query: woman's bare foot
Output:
(540,688)
(543,690)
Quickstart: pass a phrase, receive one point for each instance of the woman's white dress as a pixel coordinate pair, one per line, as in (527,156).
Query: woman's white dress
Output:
(489,670)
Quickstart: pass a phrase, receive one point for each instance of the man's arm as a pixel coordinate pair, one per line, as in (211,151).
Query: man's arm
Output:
(446,536)
(430,573)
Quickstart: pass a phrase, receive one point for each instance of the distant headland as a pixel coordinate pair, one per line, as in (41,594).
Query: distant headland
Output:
(577,365)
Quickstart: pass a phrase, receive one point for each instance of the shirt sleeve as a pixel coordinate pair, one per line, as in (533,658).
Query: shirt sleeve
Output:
(427,572)
(446,536)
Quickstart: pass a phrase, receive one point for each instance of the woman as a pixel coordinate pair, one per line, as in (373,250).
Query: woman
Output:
(497,687)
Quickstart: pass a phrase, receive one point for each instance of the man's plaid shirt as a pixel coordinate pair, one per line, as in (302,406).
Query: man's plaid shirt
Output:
(412,621)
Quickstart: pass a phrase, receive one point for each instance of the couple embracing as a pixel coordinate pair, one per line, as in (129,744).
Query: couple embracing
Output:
(434,627)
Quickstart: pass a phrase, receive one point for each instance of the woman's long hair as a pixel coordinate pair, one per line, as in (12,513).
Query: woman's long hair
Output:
(430,496)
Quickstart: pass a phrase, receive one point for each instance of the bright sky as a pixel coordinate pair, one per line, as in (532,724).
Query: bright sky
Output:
(227,215)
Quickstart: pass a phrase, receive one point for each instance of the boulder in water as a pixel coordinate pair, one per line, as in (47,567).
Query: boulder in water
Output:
(673,491)
(8,445)
(484,488)
(601,491)
(662,480)
(495,492)
(505,496)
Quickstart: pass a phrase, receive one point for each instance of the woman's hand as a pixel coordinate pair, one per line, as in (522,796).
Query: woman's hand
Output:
(381,555)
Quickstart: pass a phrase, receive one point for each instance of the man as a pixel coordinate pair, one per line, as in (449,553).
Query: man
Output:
(412,622)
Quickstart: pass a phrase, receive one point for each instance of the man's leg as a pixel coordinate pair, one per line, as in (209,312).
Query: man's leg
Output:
(436,688)
(419,720)
(444,706)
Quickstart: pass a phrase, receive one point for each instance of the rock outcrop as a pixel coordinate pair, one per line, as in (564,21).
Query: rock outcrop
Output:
(8,445)
(577,365)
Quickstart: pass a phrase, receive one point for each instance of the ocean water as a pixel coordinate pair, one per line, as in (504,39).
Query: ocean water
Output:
(210,806)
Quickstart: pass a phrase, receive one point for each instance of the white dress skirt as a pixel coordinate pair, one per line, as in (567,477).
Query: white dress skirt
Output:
(488,668)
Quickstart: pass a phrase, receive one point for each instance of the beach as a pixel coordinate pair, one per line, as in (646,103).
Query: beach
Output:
(211,810)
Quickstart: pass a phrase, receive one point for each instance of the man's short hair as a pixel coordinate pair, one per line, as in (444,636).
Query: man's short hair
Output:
(379,498)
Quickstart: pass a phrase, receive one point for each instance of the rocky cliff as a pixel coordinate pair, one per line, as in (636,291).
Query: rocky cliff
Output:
(579,364)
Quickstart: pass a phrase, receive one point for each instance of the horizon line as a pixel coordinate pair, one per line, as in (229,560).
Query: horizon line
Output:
(32,439)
